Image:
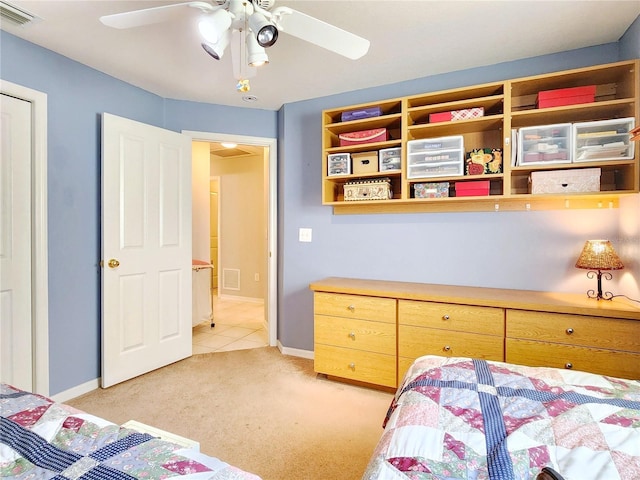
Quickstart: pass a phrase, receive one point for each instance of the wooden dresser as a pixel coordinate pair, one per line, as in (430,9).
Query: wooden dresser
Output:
(371,331)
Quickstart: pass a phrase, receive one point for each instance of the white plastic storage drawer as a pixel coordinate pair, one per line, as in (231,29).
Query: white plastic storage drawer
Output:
(435,157)
(603,140)
(544,144)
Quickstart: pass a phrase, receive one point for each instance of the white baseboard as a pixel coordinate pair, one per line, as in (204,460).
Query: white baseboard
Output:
(295,352)
(241,299)
(95,384)
(77,391)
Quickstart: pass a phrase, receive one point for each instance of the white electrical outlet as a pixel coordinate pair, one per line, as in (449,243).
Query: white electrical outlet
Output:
(304,235)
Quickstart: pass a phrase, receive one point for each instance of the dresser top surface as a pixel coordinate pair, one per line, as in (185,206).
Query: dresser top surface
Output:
(571,303)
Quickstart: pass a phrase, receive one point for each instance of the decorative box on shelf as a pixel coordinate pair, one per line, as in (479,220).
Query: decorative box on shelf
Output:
(361,113)
(566,96)
(472,189)
(566,181)
(544,144)
(454,115)
(364,162)
(369,189)
(431,190)
(338,164)
(483,160)
(364,136)
(603,140)
(435,157)
(389,159)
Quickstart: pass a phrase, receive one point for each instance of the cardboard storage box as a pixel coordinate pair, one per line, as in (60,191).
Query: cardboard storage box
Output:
(566,96)
(360,113)
(431,190)
(367,190)
(389,159)
(364,162)
(364,136)
(566,181)
(453,115)
(472,189)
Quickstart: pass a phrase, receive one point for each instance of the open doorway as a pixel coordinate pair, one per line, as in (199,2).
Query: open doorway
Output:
(246,202)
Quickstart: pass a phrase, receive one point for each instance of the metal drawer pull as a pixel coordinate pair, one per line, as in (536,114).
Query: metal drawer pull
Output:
(569,331)
(446,348)
(351,307)
(352,366)
(352,335)
(568,366)
(445,317)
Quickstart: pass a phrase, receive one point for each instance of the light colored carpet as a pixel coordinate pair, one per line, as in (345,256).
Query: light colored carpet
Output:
(262,411)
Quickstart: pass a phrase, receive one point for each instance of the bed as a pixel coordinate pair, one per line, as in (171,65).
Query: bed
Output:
(463,418)
(42,439)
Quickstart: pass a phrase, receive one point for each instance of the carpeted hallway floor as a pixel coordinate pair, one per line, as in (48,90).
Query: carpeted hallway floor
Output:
(262,411)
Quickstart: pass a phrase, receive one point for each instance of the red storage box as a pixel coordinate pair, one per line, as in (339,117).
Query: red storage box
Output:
(364,136)
(472,189)
(566,96)
(440,117)
(453,115)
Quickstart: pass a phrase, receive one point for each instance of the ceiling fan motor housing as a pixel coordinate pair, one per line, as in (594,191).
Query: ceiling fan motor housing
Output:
(264,4)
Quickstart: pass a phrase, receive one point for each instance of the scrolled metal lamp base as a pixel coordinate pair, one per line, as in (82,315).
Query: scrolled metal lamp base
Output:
(599,295)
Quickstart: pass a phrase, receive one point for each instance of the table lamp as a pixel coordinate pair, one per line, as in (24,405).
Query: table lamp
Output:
(599,255)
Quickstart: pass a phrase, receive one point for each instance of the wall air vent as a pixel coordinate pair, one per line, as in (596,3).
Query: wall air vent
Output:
(14,15)
(231,279)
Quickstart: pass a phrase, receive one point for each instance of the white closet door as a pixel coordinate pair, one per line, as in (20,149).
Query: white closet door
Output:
(16,357)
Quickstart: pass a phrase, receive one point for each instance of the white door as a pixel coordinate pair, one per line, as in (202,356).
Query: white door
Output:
(16,357)
(146,248)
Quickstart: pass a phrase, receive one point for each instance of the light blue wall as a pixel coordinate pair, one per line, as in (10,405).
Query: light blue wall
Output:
(630,41)
(77,95)
(494,249)
(522,250)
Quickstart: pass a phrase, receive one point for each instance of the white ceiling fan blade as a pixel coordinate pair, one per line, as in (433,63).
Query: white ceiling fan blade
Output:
(320,33)
(241,68)
(148,16)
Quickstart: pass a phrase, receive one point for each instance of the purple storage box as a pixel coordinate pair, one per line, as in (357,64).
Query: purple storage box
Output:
(361,113)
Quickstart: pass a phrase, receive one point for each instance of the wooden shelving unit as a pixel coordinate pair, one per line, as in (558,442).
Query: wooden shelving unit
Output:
(508,106)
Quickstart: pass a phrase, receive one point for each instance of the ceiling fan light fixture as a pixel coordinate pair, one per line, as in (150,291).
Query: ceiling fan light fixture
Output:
(256,54)
(265,31)
(213,26)
(216,50)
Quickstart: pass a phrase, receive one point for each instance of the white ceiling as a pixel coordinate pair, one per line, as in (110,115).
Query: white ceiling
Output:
(409,39)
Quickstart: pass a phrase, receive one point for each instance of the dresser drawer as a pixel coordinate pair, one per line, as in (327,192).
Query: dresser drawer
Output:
(356,365)
(366,335)
(608,333)
(414,342)
(355,306)
(595,360)
(462,318)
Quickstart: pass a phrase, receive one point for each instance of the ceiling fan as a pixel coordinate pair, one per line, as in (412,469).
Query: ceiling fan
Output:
(249,26)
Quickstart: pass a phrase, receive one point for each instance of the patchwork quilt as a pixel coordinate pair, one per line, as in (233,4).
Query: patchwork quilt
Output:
(41,439)
(461,418)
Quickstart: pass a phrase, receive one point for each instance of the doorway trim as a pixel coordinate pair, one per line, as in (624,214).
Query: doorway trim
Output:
(272,221)
(39,235)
